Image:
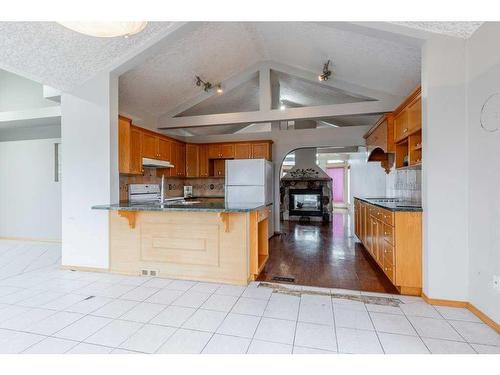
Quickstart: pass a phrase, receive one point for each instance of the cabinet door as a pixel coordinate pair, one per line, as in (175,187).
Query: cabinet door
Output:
(261,151)
(401,125)
(174,159)
(135,151)
(242,151)
(149,146)
(415,115)
(227,151)
(181,171)
(192,160)
(203,157)
(164,149)
(219,168)
(214,151)
(124,145)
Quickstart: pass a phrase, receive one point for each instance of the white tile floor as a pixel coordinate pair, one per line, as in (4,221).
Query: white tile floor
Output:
(47,310)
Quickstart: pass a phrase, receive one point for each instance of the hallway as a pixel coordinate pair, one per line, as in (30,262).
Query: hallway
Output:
(324,255)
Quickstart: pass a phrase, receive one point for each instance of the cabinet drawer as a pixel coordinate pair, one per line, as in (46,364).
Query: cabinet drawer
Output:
(388,255)
(389,234)
(389,271)
(387,217)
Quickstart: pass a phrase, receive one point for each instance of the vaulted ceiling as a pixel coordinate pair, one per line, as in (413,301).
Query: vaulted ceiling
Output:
(218,51)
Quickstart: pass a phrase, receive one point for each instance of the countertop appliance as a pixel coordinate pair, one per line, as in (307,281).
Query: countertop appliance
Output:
(188,191)
(251,181)
(140,193)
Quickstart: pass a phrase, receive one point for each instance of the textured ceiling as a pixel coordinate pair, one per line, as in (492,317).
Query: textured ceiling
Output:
(456,29)
(218,51)
(243,98)
(62,58)
(301,93)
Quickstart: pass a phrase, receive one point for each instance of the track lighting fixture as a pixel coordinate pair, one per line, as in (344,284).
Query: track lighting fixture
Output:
(207,86)
(325,75)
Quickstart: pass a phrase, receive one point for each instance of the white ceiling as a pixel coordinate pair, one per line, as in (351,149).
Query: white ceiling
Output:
(53,55)
(218,51)
(457,29)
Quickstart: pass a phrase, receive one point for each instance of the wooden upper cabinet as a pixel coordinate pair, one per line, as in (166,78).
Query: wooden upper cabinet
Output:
(203,160)
(242,151)
(401,125)
(227,151)
(415,115)
(192,160)
(124,144)
(164,149)
(150,144)
(261,151)
(181,170)
(219,168)
(135,151)
(214,151)
(129,147)
(382,134)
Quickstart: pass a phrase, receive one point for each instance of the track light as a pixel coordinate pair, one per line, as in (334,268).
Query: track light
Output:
(207,86)
(325,75)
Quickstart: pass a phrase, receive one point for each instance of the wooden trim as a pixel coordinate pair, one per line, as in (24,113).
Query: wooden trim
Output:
(463,304)
(413,95)
(375,126)
(224,217)
(485,318)
(30,239)
(443,302)
(84,269)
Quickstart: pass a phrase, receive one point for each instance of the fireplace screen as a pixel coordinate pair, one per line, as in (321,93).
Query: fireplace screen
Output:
(306,202)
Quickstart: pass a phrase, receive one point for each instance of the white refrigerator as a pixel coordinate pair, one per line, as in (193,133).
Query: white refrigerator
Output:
(251,181)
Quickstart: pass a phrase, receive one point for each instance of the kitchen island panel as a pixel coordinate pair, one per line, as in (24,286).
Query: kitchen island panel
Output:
(202,246)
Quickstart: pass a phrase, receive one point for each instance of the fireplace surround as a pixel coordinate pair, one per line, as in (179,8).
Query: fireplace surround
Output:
(305,202)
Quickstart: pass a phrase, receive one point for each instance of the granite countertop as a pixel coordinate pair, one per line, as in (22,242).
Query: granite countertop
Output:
(193,205)
(393,204)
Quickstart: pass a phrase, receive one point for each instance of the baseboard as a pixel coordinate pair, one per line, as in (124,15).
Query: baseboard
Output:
(84,269)
(467,305)
(29,239)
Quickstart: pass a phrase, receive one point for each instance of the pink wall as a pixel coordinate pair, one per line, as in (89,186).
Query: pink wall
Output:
(337,175)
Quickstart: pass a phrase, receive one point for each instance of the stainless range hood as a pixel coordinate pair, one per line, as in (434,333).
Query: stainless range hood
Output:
(154,163)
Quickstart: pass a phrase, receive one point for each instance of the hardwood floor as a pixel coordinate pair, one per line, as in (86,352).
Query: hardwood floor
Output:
(324,255)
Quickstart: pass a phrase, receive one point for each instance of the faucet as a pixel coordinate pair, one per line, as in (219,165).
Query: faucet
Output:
(162,189)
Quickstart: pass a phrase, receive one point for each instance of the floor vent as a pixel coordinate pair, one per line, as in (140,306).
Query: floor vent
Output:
(284,279)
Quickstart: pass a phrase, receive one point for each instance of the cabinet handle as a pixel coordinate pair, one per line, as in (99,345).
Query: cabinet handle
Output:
(405,130)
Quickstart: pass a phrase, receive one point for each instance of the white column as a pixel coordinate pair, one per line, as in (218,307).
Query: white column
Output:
(444,175)
(89,137)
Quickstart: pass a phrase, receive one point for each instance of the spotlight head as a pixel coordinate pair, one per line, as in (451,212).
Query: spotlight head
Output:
(219,89)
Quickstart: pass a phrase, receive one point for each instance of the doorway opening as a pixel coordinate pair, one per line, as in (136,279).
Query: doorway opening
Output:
(317,246)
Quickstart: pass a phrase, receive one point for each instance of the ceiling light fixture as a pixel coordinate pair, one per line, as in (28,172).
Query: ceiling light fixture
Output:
(326,72)
(207,86)
(106,29)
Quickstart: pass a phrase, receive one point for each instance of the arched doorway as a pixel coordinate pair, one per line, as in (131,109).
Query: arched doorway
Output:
(317,246)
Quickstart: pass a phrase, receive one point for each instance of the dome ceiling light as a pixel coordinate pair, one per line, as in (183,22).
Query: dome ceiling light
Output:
(106,29)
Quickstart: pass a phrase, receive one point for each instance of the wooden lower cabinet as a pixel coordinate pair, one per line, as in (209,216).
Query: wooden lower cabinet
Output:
(394,240)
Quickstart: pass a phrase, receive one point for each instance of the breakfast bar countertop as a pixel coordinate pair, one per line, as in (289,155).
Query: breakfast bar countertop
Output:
(393,204)
(195,205)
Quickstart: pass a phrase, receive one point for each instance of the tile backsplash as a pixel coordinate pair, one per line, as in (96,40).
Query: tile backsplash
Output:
(405,184)
(202,187)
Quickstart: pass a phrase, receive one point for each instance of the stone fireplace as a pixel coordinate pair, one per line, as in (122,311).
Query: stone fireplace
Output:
(306,190)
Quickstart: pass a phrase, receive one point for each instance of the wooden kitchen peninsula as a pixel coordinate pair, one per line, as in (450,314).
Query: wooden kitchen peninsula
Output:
(204,240)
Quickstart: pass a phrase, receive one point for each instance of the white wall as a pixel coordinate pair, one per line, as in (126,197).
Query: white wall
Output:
(30,199)
(90,170)
(444,176)
(483,73)
(367,179)
(18,93)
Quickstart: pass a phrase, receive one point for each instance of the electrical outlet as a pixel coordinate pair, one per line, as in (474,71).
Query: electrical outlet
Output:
(496,282)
